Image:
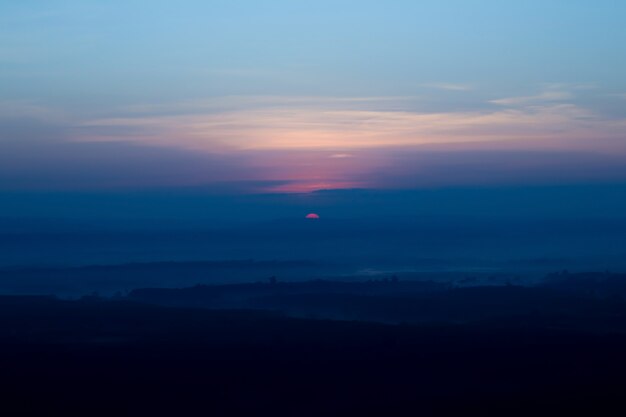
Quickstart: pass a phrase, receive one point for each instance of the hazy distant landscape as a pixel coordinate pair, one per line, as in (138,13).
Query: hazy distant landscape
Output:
(498,311)
(53,257)
(360,317)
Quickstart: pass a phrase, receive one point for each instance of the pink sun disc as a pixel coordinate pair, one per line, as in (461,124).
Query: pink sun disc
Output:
(312,216)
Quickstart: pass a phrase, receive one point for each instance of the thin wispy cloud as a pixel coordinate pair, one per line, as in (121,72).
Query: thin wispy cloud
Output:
(346,123)
(449,86)
(29,109)
(549,96)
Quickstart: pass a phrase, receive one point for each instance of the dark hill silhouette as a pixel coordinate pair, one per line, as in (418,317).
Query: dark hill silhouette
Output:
(123,358)
(405,302)
(239,295)
(112,278)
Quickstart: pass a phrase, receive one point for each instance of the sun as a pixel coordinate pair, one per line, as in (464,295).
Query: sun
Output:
(312,216)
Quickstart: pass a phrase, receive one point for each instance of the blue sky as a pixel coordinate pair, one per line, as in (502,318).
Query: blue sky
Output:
(297,96)
(119,48)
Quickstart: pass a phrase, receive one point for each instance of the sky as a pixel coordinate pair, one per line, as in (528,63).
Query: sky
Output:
(292,97)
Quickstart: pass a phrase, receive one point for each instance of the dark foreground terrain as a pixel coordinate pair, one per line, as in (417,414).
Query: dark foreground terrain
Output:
(103,357)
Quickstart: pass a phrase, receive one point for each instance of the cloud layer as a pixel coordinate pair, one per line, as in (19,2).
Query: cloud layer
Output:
(300,144)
